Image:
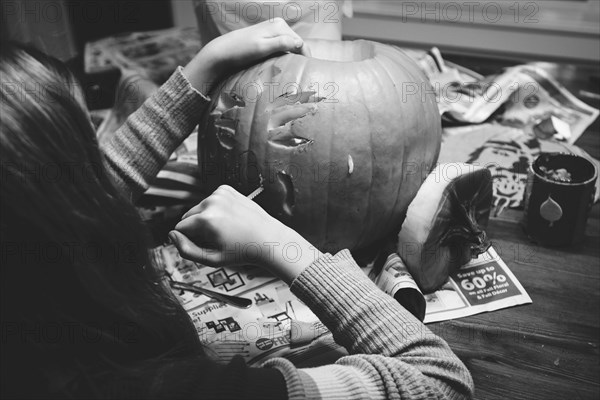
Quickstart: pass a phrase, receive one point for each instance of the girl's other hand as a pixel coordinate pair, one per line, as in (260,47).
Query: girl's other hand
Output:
(228,229)
(239,49)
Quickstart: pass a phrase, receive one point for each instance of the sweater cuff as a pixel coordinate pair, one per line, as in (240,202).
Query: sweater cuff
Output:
(180,99)
(179,72)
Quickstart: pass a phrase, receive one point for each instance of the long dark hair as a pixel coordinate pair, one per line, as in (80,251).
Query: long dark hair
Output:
(80,296)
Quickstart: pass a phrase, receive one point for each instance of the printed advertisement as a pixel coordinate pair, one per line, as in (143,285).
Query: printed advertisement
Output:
(484,284)
(278,324)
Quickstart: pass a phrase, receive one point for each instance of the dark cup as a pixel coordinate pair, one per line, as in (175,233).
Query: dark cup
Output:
(558,197)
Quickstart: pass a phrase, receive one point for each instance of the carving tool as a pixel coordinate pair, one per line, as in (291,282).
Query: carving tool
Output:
(255,193)
(235,301)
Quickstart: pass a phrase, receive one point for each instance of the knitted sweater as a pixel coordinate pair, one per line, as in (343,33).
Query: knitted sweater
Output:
(392,354)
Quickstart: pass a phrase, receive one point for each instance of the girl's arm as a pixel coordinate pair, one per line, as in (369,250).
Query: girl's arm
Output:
(141,147)
(392,354)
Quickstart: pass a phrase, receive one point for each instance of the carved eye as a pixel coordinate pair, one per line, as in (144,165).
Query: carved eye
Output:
(294,141)
(285,110)
(286,139)
(230,100)
(284,114)
(291,98)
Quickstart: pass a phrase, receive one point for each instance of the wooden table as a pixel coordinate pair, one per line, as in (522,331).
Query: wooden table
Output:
(548,349)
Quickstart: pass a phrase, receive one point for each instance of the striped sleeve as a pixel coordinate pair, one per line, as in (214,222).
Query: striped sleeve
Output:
(142,146)
(392,354)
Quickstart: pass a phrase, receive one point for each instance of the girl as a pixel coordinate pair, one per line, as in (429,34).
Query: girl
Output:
(84,312)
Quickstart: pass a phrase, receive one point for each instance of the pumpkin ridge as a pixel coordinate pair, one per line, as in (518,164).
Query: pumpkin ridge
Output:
(367,214)
(400,136)
(421,126)
(242,180)
(326,208)
(365,204)
(273,70)
(310,196)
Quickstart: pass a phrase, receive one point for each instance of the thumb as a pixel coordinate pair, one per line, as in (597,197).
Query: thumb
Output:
(190,251)
(305,50)
(281,43)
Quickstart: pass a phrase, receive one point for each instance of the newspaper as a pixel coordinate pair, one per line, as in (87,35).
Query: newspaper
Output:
(484,284)
(540,99)
(152,54)
(278,324)
(524,96)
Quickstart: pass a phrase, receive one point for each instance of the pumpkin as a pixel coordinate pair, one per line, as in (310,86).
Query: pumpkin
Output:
(444,224)
(340,141)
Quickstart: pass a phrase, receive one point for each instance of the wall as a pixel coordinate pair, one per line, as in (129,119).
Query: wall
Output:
(183,13)
(565,30)
(550,30)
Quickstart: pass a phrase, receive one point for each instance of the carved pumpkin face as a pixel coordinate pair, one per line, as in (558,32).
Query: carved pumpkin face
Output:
(340,141)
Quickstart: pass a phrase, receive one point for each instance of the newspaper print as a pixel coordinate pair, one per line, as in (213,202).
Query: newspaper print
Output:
(484,284)
(278,324)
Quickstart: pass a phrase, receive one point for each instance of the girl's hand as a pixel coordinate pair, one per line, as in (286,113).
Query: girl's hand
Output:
(239,49)
(228,229)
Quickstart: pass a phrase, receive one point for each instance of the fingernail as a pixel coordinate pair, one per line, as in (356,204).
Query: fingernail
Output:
(298,43)
(172,237)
